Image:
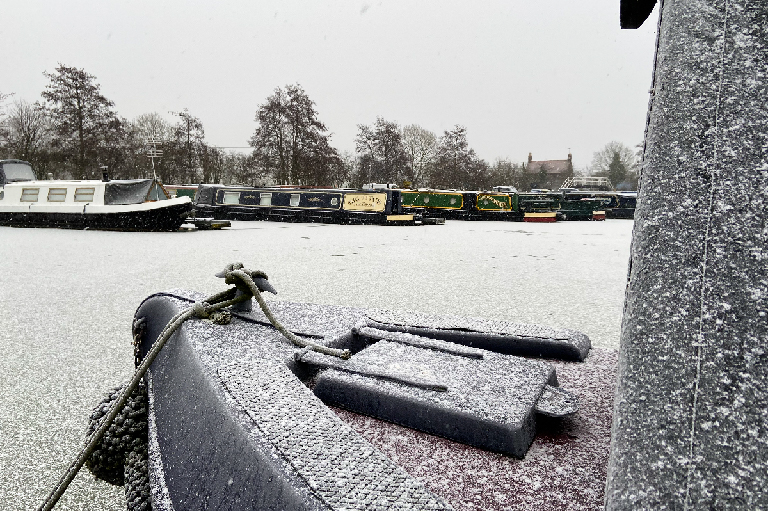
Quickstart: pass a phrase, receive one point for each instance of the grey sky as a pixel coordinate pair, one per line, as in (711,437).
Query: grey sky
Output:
(541,76)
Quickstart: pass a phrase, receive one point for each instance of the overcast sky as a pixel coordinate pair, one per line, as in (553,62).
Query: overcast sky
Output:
(522,76)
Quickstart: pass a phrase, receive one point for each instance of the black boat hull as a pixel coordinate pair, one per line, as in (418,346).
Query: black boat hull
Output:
(167,218)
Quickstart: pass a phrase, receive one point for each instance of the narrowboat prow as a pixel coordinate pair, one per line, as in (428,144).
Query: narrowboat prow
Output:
(238,415)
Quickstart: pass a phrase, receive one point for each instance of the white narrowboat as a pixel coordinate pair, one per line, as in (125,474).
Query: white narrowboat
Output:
(123,205)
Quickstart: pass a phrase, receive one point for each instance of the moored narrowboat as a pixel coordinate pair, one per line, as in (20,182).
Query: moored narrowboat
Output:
(181,191)
(538,207)
(497,205)
(124,205)
(581,208)
(436,203)
(462,205)
(614,204)
(302,205)
(625,207)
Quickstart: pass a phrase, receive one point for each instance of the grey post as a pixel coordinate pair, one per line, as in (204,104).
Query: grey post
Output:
(690,427)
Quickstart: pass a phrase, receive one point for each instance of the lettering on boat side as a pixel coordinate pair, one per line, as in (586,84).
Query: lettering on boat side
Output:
(364,201)
(493,200)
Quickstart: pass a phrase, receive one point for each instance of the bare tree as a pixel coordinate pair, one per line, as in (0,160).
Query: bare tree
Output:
(151,131)
(617,162)
(3,98)
(382,156)
(27,130)
(503,172)
(457,165)
(291,143)
(421,147)
(153,126)
(241,169)
(186,149)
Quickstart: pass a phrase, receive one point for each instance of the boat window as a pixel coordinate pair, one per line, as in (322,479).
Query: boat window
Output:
(57,194)
(29,194)
(231,197)
(265,199)
(295,199)
(17,171)
(84,194)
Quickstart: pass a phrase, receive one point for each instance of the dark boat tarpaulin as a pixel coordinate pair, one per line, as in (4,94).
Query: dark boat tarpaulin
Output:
(130,191)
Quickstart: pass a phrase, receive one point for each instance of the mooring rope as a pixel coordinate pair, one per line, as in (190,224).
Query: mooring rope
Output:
(243,280)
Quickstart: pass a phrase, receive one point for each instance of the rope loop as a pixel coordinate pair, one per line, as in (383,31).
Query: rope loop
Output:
(239,277)
(200,310)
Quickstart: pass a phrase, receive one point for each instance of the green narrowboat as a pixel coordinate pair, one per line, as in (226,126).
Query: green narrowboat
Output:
(463,205)
(181,191)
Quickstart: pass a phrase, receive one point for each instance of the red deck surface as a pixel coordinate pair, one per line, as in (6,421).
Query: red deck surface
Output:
(565,468)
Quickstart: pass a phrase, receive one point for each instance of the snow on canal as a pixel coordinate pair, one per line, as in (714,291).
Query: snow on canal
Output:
(67,299)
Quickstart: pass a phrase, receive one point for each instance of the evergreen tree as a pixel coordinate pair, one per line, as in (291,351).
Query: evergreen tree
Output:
(457,165)
(83,120)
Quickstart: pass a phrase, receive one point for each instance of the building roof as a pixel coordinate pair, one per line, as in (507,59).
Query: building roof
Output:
(550,166)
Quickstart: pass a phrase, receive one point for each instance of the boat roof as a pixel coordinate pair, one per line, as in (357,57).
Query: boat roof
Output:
(78,182)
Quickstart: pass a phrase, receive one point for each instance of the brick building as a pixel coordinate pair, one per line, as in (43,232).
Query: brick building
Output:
(548,173)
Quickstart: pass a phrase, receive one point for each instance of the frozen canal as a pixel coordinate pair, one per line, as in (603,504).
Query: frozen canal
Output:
(67,299)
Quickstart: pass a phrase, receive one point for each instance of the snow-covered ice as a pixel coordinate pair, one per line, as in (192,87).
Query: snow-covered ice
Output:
(67,299)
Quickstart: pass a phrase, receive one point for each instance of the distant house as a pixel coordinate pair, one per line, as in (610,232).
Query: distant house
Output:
(548,173)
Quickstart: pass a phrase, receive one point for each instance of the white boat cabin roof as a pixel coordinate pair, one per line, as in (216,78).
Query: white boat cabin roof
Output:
(134,191)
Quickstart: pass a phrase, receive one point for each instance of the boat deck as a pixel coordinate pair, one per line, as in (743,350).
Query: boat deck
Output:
(233,418)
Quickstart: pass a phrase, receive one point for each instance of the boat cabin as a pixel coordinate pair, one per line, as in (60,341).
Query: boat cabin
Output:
(71,193)
(12,171)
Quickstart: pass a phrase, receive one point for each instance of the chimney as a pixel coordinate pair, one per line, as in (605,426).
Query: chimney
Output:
(530,157)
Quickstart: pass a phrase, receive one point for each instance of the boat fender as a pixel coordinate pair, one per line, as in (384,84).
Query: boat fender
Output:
(121,458)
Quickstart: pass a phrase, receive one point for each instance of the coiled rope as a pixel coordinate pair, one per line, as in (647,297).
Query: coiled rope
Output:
(243,280)
(120,458)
